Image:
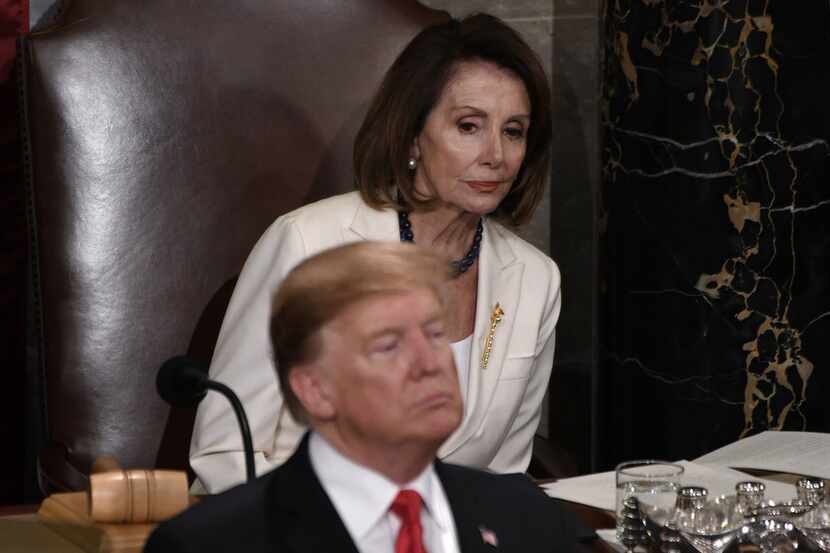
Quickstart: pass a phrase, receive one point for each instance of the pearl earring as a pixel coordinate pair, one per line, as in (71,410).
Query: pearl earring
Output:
(412,164)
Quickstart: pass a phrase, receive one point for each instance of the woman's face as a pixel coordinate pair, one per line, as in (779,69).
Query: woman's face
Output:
(474,139)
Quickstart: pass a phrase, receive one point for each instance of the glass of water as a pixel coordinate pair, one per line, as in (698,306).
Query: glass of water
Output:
(654,483)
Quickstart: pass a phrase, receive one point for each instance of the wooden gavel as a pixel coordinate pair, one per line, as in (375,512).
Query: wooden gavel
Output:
(117,495)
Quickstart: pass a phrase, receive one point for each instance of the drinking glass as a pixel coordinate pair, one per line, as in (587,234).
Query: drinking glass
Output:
(773,535)
(654,483)
(749,495)
(815,523)
(810,490)
(709,525)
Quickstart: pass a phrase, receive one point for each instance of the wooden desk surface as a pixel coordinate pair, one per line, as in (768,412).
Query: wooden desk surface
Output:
(595,518)
(24,533)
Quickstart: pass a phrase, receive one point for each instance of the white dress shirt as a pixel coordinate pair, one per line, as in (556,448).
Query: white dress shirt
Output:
(362,498)
(461,354)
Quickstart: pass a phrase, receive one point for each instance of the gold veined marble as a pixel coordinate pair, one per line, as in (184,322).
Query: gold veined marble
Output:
(741,210)
(716,170)
(775,370)
(627,65)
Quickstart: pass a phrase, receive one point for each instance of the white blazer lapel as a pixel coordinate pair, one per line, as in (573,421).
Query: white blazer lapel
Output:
(499,282)
(371,224)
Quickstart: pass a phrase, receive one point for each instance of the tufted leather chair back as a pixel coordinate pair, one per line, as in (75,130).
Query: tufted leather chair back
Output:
(163,137)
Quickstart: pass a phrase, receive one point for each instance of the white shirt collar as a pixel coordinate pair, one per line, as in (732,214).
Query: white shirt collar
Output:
(362,496)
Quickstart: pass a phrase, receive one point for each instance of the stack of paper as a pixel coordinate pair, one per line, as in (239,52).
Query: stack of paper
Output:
(806,453)
(599,490)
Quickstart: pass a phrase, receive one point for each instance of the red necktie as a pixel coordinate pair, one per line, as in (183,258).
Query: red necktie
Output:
(407,507)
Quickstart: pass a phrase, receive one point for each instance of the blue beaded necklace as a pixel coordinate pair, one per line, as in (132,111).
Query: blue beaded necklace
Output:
(462,264)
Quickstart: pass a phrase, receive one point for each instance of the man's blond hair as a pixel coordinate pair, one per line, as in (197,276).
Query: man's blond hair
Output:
(322,286)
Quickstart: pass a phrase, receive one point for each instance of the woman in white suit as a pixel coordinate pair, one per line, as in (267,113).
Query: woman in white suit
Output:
(454,150)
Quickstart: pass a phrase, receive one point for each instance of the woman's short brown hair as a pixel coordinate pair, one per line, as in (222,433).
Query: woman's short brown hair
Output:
(322,286)
(412,88)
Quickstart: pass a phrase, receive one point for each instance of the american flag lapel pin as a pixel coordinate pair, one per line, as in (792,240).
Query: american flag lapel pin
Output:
(488,536)
(495,318)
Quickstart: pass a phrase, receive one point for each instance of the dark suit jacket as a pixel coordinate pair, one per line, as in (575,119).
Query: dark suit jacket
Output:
(287,510)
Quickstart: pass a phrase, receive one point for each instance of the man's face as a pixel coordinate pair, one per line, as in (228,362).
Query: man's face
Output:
(386,369)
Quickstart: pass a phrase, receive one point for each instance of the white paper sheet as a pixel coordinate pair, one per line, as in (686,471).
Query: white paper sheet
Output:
(596,490)
(609,535)
(805,453)
(599,490)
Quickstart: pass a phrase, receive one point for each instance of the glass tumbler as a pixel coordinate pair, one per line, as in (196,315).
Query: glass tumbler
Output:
(654,483)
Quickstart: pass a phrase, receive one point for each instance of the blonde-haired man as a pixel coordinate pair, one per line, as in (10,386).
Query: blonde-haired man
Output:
(359,331)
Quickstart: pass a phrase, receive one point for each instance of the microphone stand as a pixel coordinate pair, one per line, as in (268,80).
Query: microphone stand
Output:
(242,419)
(182,382)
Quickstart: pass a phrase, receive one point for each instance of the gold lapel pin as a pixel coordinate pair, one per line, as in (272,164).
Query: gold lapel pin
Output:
(495,318)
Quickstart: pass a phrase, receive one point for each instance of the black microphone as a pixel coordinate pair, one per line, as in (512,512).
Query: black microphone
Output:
(182,382)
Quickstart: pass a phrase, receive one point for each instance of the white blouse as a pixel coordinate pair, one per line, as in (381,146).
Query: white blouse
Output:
(461,353)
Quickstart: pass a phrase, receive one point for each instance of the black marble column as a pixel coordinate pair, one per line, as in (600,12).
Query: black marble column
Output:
(716,212)
(573,229)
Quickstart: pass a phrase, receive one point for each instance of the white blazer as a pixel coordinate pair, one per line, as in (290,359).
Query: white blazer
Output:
(504,400)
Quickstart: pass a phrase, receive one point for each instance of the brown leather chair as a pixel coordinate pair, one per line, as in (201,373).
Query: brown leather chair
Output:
(163,137)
